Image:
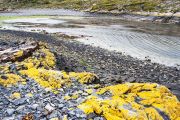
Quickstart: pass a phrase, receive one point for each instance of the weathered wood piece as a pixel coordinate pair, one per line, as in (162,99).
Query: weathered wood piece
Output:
(18,53)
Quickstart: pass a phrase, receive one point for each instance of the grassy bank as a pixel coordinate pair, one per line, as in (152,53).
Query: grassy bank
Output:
(100,5)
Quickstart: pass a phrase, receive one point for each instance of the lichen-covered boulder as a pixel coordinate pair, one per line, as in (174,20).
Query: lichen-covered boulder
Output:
(133,101)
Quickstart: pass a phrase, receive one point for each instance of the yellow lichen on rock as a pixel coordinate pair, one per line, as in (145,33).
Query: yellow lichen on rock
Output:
(56,118)
(29,95)
(65,117)
(40,67)
(18,54)
(10,79)
(89,91)
(41,58)
(16,95)
(67,97)
(72,97)
(47,78)
(84,77)
(134,101)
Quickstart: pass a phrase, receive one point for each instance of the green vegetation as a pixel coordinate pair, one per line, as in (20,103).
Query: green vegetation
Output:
(99,5)
(15,17)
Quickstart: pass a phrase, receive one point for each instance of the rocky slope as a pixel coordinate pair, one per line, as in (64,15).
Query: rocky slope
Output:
(50,83)
(32,88)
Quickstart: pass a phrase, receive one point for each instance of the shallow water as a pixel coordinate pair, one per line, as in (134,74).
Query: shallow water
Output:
(158,42)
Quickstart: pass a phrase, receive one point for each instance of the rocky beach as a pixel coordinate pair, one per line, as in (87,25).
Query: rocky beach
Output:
(53,76)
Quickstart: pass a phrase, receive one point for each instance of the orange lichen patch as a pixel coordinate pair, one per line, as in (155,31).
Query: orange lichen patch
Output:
(84,77)
(16,95)
(7,80)
(47,78)
(134,101)
(28,116)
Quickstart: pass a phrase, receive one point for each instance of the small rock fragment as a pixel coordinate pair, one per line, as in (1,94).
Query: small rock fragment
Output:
(49,108)
(10,111)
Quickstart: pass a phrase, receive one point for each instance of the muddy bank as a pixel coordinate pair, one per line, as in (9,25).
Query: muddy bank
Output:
(170,18)
(110,66)
(165,18)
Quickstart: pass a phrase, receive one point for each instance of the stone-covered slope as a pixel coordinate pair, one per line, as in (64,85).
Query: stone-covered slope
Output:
(31,87)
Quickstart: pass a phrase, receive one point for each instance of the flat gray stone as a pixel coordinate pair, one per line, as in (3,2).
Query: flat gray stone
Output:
(19,101)
(10,111)
(49,107)
(34,106)
(60,105)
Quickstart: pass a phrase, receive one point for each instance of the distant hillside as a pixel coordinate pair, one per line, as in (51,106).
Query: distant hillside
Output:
(99,5)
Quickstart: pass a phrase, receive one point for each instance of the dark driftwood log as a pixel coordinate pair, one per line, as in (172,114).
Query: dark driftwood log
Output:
(18,53)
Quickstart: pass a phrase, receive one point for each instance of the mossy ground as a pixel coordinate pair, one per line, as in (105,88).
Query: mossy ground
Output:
(2,18)
(98,5)
(16,17)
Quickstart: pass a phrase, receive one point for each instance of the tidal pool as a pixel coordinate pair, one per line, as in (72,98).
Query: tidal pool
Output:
(158,42)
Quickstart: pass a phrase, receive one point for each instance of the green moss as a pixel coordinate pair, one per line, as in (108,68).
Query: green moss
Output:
(83,62)
(17,17)
(97,5)
(2,18)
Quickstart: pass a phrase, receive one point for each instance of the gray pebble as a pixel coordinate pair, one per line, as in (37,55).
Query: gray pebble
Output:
(10,111)
(49,107)
(98,118)
(19,101)
(60,105)
(34,106)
